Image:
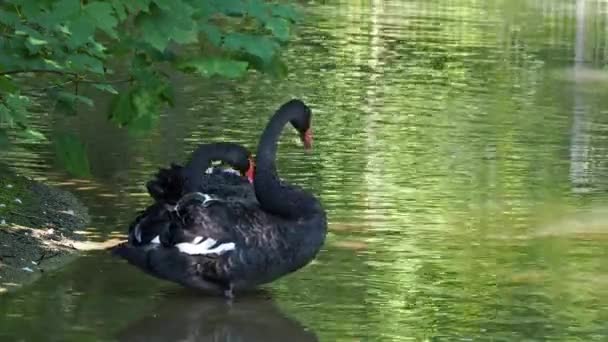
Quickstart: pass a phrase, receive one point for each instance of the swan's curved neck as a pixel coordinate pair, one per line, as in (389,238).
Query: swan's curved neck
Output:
(273,195)
(267,148)
(200,161)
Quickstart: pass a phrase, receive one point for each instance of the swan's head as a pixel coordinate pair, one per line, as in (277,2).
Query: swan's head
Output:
(246,166)
(240,159)
(301,120)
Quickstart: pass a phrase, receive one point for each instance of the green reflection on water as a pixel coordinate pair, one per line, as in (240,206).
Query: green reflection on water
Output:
(460,158)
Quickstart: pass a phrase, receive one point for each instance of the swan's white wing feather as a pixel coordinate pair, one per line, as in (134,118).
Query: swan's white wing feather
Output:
(196,247)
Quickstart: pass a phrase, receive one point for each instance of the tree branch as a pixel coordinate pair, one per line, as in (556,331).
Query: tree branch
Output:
(58,72)
(84,81)
(129,79)
(58,85)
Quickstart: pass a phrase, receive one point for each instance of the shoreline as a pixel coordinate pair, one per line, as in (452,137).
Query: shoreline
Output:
(39,229)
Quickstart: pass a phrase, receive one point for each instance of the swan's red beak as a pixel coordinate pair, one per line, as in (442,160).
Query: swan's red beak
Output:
(307,139)
(251,170)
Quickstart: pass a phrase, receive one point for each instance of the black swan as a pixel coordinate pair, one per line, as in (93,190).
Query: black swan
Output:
(223,247)
(169,186)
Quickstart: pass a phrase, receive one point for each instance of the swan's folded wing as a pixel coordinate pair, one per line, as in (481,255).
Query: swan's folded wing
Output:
(231,224)
(202,230)
(149,224)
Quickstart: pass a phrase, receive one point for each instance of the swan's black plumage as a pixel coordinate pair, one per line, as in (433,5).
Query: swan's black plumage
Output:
(169,185)
(278,236)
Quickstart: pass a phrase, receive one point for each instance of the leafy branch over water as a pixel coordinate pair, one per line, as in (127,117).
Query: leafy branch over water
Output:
(56,47)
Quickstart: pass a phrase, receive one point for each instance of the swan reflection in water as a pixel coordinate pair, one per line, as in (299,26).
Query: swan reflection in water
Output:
(189,317)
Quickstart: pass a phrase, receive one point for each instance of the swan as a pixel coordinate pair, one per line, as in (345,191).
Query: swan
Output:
(223,247)
(168,186)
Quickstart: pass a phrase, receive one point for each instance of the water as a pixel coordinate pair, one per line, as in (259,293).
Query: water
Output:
(460,153)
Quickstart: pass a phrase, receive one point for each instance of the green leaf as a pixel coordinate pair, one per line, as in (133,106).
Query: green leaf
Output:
(261,47)
(52,64)
(30,136)
(168,96)
(8,18)
(102,13)
(143,124)
(97,50)
(213,33)
(65,107)
(35,41)
(288,12)
(73,99)
(141,105)
(6,117)
(29,8)
(67,102)
(64,9)
(33,49)
(81,30)
(213,66)
(120,8)
(258,10)
(165,5)
(135,6)
(144,102)
(82,62)
(148,78)
(7,84)
(17,106)
(72,155)
(227,7)
(279,28)
(121,110)
(62,28)
(276,69)
(105,87)
(159,27)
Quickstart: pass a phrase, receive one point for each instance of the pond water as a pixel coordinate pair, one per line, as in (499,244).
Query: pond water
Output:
(461,153)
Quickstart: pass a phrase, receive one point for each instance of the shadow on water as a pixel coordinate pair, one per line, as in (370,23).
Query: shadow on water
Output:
(187,317)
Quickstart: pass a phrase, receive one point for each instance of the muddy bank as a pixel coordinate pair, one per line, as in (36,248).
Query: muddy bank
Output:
(39,227)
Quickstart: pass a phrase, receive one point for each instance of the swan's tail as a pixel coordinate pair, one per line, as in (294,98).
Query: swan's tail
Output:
(168,184)
(149,224)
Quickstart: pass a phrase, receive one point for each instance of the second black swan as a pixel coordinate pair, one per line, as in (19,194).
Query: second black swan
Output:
(169,185)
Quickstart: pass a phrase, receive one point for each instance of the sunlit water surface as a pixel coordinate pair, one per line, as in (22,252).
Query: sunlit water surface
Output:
(461,154)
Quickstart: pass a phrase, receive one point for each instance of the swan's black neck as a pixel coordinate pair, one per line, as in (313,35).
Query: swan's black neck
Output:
(202,157)
(267,150)
(273,195)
